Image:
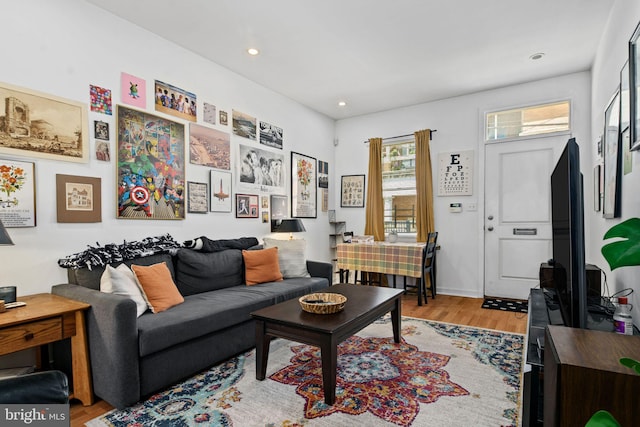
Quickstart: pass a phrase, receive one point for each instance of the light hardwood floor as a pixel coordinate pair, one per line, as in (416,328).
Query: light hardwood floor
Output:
(444,308)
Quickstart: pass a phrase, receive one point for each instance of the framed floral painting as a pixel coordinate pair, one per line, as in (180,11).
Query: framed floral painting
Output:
(17,193)
(303,186)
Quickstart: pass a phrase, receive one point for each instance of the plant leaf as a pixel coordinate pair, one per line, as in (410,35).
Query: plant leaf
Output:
(626,252)
(602,419)
(630,363)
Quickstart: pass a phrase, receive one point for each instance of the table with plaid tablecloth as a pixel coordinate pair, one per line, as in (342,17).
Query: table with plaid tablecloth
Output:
(401,259)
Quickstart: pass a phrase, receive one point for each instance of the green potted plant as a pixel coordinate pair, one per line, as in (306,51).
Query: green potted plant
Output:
(620,253)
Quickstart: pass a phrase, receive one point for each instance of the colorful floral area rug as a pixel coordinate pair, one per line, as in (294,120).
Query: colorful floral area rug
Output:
(439,375)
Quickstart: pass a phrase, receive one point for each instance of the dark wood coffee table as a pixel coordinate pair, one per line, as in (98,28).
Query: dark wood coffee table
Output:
(287,320)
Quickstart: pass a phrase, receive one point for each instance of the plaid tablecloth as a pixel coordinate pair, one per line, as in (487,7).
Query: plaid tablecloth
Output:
(402,259)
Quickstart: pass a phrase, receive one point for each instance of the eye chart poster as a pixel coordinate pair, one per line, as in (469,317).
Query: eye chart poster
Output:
(455,172)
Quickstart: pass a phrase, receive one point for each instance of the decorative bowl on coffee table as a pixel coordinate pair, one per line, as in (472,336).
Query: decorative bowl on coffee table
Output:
(322,302)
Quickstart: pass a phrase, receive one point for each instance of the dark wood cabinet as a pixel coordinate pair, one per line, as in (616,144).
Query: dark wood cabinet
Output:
(582,374)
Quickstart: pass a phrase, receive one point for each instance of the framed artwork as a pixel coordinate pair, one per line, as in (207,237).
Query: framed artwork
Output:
(244,125)
(596,188)
(303,186)
(265,217)
(260,170)
(625,113)
(352,191)
(323,174)
(197,197)
(220,187)
(175,101)
(332,216)
(634,88)
(224,118)
(271,135)
(42,125)
(78,198)
(246,206)
(100,100)
(103,151)
(101,130)
(150,166)
(133,90)
(209,147)
(612,159)
(208,113)
(279,206)
(17,193)
(627,155)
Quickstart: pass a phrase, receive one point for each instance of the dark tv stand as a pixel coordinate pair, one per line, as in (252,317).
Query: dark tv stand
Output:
(535,392)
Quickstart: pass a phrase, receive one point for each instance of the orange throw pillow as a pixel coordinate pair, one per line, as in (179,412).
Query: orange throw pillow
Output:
(261,266)
(157,286)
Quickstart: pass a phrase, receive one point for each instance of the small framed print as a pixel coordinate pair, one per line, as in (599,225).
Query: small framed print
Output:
(597,170)
(224,118)
(101,130)
(279,206)
(18,195)
(246,206)
(220,187)
(78,199)
(352,191)
(197,201)
(332,215)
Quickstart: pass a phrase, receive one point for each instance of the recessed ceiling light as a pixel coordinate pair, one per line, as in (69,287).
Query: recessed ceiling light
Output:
(342,103)
(253,51)
(536,56)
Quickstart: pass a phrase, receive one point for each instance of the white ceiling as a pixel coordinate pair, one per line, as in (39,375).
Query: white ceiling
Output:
(379,55)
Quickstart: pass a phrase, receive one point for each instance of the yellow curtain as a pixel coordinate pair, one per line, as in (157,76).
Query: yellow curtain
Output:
(374,211)
(424,186)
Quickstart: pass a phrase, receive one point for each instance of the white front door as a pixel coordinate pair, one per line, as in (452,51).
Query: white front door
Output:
(517,221)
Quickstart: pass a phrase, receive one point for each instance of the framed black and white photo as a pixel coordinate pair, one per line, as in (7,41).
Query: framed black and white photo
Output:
(352,191)
(197,193)
(634,88)
(101,130)
(303,186)
(260,170)
(612,159)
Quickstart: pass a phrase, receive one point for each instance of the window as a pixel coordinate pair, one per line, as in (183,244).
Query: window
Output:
(536,120)
(399,186)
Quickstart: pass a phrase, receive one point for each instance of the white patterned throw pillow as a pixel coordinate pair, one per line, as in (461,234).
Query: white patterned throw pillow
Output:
(121,281)
(291,256)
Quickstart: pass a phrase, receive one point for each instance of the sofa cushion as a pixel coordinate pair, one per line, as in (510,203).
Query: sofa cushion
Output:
(206,271)
(291,256)
(121,281)
(209,312)
(90,278)
(158,287)
(261,266)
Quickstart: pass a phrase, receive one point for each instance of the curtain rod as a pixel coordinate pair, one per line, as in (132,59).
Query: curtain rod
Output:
(402,136)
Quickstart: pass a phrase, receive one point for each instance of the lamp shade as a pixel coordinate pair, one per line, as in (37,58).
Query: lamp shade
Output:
(287,226)
(4,236)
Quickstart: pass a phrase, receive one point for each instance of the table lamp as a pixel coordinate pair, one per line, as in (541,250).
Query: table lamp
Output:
(4,236)
(287,226)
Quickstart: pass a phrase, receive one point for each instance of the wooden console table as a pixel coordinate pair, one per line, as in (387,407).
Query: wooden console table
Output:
(45,319)
(582,375)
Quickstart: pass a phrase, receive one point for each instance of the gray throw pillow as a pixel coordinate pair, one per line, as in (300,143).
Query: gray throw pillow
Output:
(291,256)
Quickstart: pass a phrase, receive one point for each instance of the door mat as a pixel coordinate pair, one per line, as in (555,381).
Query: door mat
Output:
(505,305)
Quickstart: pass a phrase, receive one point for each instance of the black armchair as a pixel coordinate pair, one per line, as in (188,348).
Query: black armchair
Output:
(48,387)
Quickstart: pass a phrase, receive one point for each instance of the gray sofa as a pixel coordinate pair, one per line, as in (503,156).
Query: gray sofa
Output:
(133,357)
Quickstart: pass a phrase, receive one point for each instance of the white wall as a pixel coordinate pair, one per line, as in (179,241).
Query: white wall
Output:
(459,123)
(62,47)
(612,54)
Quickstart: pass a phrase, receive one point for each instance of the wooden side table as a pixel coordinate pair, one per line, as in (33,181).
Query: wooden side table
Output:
(45,319)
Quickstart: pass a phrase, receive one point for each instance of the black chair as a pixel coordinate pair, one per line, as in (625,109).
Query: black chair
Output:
(429,264)
(428,270)
(47,387)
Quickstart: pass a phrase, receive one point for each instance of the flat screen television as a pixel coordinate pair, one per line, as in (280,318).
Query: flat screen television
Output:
(567,207)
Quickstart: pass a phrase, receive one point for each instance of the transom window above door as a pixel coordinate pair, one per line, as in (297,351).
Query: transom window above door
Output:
(528,121)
